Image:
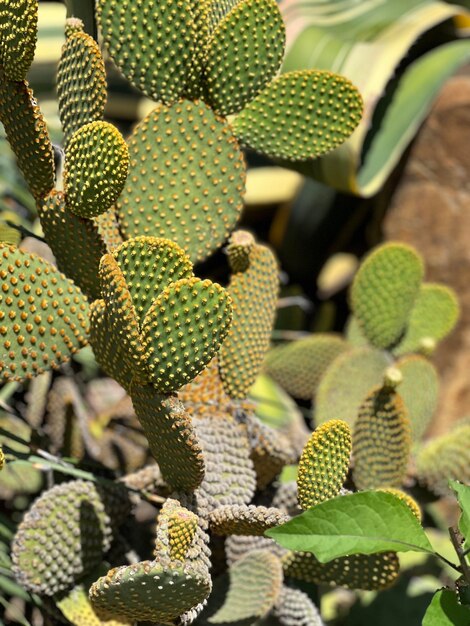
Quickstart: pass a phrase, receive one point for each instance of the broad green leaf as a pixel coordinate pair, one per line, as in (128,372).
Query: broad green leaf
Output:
(445,610)
(360,523)
(463,497)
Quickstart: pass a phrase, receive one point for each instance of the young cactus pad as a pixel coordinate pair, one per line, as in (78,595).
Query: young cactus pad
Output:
(18,34)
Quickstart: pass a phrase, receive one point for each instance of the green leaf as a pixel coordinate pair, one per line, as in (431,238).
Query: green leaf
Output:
(463,497)
(360,523)
(445,610)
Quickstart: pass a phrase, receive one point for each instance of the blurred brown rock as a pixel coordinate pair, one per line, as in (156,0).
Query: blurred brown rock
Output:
(431,211)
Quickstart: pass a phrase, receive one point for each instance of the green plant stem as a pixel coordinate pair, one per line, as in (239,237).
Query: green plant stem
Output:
(455,539)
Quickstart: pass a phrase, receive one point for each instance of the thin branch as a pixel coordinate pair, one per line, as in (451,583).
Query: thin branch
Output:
(455,538)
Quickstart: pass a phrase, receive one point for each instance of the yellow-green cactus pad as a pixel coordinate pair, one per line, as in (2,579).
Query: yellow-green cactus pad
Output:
(239,250)
(324,463)
(75,606)
(8,233)
(81,83)
(176,531)
(65,534)
(171,437)
(359,571)
(18,35)
(73,25)
(149,265)
(384,291)
(205,394)
(183,330)
(153,44)
(406,498)
(298,366)
(300,115)
(445,458)
(43,315)
(381,440)
(230,478)
(219,9)
(346,383)
(108,352)
(419,391)
(109,229)
(186,180)
(433,316)
(157,591)
(294,608)
(200,10)
(27,134)
(245,519)
(75,242)
(255,585)
(254,295)
(354,334)
(96,166)
(243,54)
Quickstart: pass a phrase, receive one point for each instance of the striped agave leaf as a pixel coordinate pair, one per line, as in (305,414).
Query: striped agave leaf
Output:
(386,49)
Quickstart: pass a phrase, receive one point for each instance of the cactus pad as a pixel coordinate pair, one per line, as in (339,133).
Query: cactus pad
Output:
(245,519)
(237,546)
(381,440)
(76,608)
(153,44)
(43,316)
(218,10)
(96,166)
(108,229)
(300,115)
(298,366)
(255,585)
(324,463)
(406,498)
(65,534)
(359,571)
(384,291)
(433,316)
(171,437)
(294,608)
(81,83)
(189,320)
(75,242)
(254,294)
(346,383)
(186,179)
(243,54)
(158,591)
(27,135)
(18,34)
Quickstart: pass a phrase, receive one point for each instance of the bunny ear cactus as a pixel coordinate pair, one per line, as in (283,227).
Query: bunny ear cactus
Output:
(18,33)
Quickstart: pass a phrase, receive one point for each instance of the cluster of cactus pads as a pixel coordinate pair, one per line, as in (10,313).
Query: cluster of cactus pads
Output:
(126,223)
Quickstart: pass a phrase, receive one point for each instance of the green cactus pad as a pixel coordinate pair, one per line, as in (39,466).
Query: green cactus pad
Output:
(186,180)
(324,463)
(300,115)
(108,352)
(171,437)
(96,166)
(200,10)
(18,35)
(419,391)
(245,519)
(27,135)
(158,591)
(62,425)
(384,291)
(346,383)
(230,478)
(381,440)
(65,534)
(153,44)
(359,571)
(183,330)
(254,294)
(445,458)
(75,242)
(149,265)
(243,54)
(255,585)
(354,334)
(108,229)
(176,532)
(406,498)
(219,9)
(294,608)
(75,606)
(81,83)
(73,25)
(433,316)
(298,366)
(43,316)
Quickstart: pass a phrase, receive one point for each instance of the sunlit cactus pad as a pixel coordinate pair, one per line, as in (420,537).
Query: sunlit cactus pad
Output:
(324,463)
(43,316)
(243,54)
(245,520)
(66,534)
(186,178)
(18,34)
(300,115)
(76,607)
